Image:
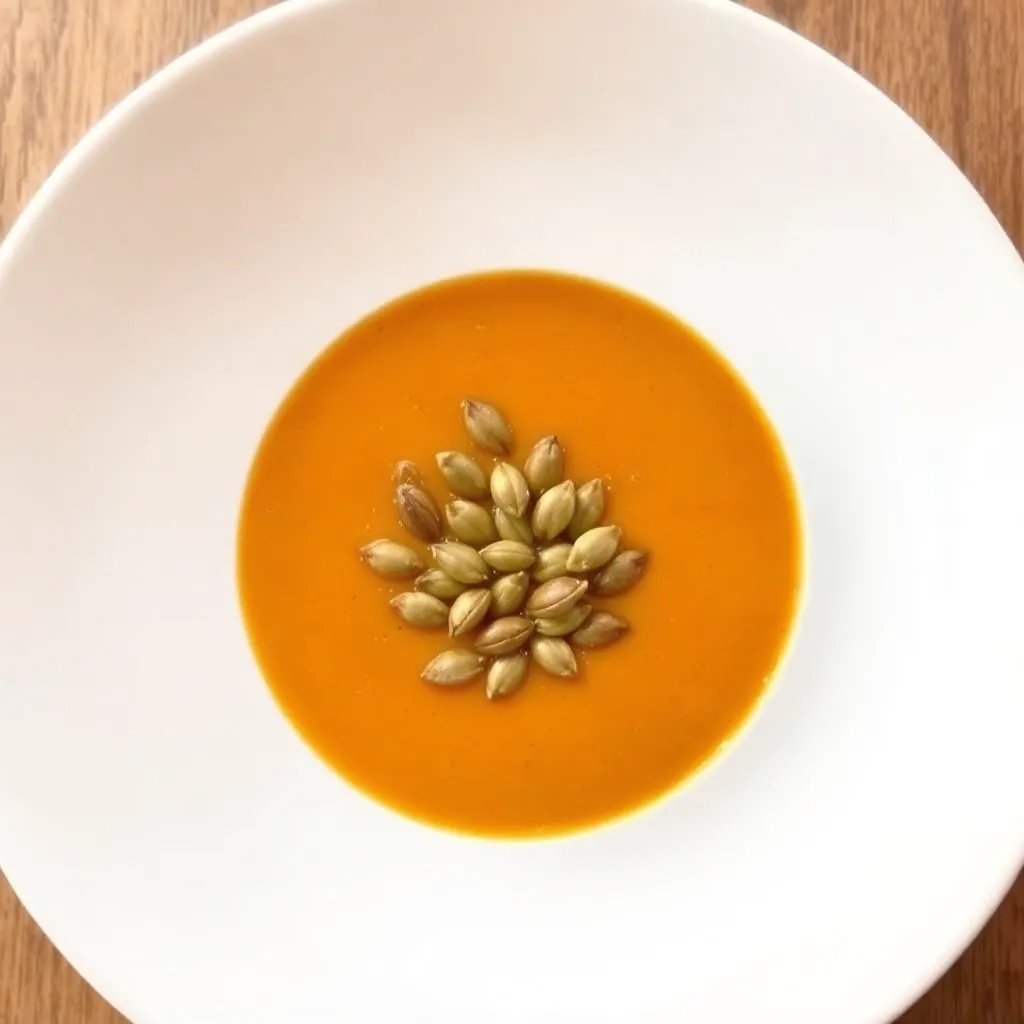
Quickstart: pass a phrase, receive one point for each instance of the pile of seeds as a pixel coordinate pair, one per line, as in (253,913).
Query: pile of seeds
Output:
(515,553)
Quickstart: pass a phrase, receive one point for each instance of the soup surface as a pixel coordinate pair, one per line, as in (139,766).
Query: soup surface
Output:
(694,475)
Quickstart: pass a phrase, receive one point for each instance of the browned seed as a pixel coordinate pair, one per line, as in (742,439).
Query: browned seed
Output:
(468,611)
(386,558)
(487,427)
(406,472)
(503,636)
(450,668)
(601,629)
(555,598)
(418,512)
(620,573)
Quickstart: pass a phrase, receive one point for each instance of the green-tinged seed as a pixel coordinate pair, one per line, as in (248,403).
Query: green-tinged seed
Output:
(487,427)
(620,573)
(471,523)
(553,511)
(508,555)
(567,623)
(545,465)
(508,593)
(551,562)
(512,527)
(419,609)
(594,549)
(601,629)
(503,636)
(386,558)
(468,611)
(556,598)
(509,489)
(507,674)
(406,472)
(460,561)
(553,655)
(450,668)
(418,512)
(589,508)
(463,475)
(439,584)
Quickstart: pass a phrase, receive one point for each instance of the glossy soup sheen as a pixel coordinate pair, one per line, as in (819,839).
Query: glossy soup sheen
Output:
(694,475)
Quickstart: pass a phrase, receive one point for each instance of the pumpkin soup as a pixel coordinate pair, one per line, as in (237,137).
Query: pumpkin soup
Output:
(642,411)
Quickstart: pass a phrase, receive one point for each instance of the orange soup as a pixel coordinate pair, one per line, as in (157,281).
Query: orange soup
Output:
(694,475)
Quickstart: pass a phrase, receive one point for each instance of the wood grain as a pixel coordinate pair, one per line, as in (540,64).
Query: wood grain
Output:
(957,66)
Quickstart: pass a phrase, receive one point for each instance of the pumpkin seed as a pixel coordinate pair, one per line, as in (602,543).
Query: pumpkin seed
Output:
(439,584)
(508,593)
(620,573)
(589,508)
(463,475)
(545,465)
(601,629)
(594,548)
(471,523)
(507,674)
(419,609)
(467,611)
(487,427)
(460,561)
(508,555)
(503,636)
(555,598)
(450,668)
(551,562)
(386,558)
(509,489)
(418,512)
(553,655)
(512,527)
(553,511)
(406,472)
(565,624)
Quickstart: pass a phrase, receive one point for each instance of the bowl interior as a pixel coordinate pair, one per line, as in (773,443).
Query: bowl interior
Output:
(161,819)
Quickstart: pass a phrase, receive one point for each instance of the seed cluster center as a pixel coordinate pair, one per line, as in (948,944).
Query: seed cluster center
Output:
(518,556)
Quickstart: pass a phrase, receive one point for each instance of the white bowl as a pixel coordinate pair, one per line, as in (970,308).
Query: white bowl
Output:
(159,817)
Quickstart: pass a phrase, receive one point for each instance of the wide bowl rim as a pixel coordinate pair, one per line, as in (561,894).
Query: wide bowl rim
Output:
(120,115)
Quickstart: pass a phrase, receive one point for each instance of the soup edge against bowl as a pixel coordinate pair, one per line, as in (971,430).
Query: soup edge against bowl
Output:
(788,639)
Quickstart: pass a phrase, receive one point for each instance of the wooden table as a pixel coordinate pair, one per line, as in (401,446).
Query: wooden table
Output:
(955,65)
